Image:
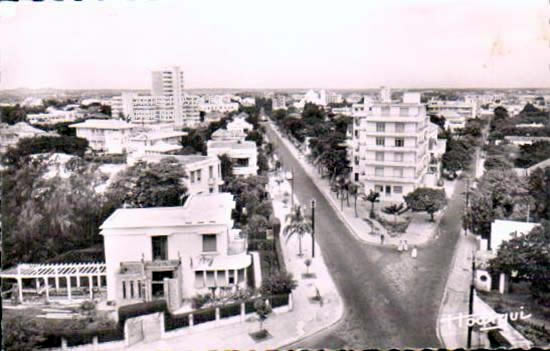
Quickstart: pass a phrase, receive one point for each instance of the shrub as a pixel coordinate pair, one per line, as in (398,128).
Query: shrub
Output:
(230,310)
(279,283)
(108,335)
(249,307)
(200,300)
(175,321)
(140,309)
(203,316)
(278,300)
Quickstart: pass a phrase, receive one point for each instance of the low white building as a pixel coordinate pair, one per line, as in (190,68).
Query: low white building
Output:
(456,113)
(204,173)
(53,116)
(244,155)
(248,101)
(108,135)
(174,253)
(228,135)
(239,123)
(278,102)
(219,107)
(158,141)
(11,134)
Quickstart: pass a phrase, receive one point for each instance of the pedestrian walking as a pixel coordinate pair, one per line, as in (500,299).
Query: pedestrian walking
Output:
(382,238)
(413,252)
(400,247)
(405,246)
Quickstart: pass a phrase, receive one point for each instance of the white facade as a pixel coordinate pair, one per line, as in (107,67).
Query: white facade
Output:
(278,102)
(111,136)
(143,109)
(244,155)
(204,173)
(193,245)
(392,146)
(223,107)
(11,134)
(53,116)
(455,112)
(248,101)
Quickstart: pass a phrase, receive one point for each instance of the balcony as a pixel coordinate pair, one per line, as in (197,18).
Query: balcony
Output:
(373,161)
(385,178)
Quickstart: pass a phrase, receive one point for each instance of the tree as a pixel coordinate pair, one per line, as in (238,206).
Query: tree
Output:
(299,225)
(44,144)
(532,154)
(21,333)
(426,199)
(500,113)
(12,114)
(256,137)
(439,120)
(528,258)
(263,310)
(226,165)
(353,189)
(394,210)
(539,189)
(278,283)
(151,185)
(371,197)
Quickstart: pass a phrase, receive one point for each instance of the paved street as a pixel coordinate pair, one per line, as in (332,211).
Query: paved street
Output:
(391,300)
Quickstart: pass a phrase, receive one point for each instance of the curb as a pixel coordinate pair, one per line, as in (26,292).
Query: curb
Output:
(445,293)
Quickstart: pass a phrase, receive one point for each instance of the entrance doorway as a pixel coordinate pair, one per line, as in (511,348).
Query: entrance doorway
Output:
(157,283)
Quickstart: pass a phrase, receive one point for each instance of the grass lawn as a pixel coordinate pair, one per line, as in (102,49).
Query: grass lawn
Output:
(536,328)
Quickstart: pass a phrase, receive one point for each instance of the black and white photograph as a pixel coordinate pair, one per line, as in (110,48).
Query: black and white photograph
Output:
(274,175)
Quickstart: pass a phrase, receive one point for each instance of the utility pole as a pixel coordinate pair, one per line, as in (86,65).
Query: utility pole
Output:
(471,302)
(312,228)
(467,204)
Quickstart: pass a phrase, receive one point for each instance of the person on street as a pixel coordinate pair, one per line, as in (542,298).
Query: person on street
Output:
(413,252)
(382,238)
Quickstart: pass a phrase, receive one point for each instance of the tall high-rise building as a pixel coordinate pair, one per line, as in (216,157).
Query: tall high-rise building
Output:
(170,84)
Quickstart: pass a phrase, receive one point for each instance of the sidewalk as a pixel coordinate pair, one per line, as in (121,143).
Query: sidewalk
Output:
(306,318)
(419,232)
(456,295)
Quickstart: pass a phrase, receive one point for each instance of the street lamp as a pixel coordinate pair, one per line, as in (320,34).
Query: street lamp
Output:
(471,299)
(290,177)
(312,228)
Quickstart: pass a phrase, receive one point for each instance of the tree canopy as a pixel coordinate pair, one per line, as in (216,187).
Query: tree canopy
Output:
(44,144)
(426,199)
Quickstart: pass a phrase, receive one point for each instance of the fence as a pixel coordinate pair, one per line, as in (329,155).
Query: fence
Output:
(174,325)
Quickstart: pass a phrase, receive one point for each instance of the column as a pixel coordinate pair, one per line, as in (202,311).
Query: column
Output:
(99,281)
(37,282)
(20,289)
(90,284)
(68,278)
(56,281)
(78,281)
(46,281)
(226,277)
(245,274)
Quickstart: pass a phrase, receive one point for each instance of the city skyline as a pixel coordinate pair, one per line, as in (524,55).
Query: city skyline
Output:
(246,45)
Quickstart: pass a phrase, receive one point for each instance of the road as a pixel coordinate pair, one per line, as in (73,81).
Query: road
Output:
(390,299)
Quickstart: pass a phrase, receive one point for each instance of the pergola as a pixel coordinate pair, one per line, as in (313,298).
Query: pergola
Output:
(56,270)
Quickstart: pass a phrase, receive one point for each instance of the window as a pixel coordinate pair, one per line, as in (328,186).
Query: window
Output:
(397,189)
(192,176)
(398,157)
(399,142)
(221,278)
(241,275)
(123,289)
(398,172)
(241,162)
(380,141)
(211,190)
(380,127)
(379,171)
(379,156)
(231,276)
(210,282)
(388,190)
(357,134)
(199,279)
(209,243)
(357,160)
(160,247)
(199,172)
(356,176)
(378,188)
(399,127)
(211,172)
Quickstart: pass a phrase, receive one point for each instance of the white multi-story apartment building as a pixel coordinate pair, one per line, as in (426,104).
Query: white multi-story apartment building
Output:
(244,155)
(143,109)
(392,146)
(174,252)
(219,107)
(278,102)
(204,173)
(111,136)
(455,112)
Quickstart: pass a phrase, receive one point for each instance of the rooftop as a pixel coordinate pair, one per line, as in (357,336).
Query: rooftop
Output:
(103,124)
(231,144)
(183,159)
(198,209)
(158,135)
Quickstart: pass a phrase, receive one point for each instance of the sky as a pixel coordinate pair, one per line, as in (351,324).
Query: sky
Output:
(343,44)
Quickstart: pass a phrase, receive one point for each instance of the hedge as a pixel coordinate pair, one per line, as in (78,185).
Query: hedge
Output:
(497,340)
(116,334)
(140,309)
(79,338)
(278,300)
(203,316)
(230,310)
(249,307)
(175,321)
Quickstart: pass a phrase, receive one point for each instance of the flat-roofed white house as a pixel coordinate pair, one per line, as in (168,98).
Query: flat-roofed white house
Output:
(239,123)
(204,173)
(109,135)
(174,252)
(244,155)
(224,134)
(156,142)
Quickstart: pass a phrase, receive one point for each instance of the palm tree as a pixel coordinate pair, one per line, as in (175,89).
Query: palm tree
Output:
(299,224)
(353,189)
(371,197)
(394,210)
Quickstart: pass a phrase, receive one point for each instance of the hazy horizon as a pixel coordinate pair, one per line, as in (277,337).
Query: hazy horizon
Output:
(246,44)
